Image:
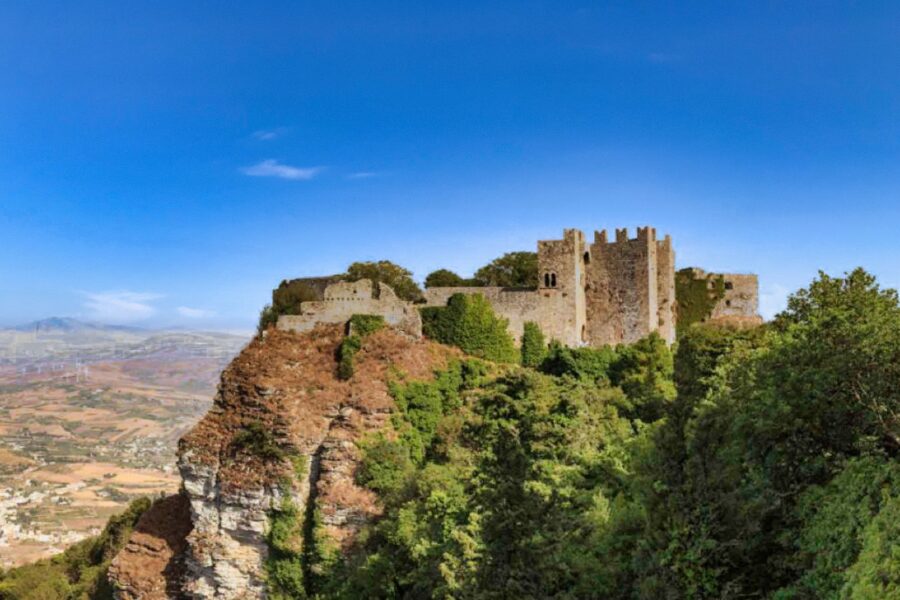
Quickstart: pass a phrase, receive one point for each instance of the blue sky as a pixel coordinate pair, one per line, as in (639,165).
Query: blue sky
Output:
(170,162)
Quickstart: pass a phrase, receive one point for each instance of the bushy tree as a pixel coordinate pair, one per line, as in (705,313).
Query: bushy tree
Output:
(645,370)
(384,271)
(876,573)
(761,425)
(589,364)
(533,347)
(447,278)
(513,269)
(470,323)
(286,300)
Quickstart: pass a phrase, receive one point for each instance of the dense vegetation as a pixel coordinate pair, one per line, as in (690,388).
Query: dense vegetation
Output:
(79,573)
(469,322)
(513,269)
(751,463)
(742,463)
(696,297)
(359,327)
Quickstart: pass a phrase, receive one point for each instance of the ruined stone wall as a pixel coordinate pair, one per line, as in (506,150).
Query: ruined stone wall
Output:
(741,300)
(622,288)
(604,294)
(344,299)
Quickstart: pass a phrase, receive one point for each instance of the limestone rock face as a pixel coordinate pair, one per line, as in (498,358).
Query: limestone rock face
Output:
(281,390)
(227,545)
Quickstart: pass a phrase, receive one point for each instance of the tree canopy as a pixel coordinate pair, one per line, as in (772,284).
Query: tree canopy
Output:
(513,269)
(384,271)
(447,278)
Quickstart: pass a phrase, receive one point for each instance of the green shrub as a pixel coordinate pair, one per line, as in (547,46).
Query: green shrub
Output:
(363,325)
(284,565)
(258,440)
(267,318)
(286,300)
(360,327)
(469,322)
(876,574)
(346,353)
(386,465)
(534,349)
(289,295)
(588,364)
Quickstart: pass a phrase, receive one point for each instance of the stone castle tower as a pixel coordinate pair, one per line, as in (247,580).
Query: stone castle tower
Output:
(630,288)
(608,292)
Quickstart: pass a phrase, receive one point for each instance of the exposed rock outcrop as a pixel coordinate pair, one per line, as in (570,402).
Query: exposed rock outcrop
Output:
(151,566)
(285,388)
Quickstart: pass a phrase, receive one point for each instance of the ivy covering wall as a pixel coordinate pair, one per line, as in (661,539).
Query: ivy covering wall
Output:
(696,296)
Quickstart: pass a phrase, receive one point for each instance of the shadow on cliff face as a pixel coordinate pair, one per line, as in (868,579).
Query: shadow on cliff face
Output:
(151,566)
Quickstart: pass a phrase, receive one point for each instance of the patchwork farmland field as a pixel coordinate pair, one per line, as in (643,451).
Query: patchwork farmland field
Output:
(87,425)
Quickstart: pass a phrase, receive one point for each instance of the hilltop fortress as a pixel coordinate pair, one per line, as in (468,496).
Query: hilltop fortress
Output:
(603,293)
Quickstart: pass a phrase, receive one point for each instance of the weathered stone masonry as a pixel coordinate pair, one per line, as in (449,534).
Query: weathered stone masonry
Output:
(604,293)
(608,292)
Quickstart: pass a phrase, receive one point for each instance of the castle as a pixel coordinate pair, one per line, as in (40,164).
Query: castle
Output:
(603,293)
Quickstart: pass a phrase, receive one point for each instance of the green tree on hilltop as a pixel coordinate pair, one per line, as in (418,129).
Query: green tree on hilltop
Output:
(470,323)
(447,278)
(384,271)
(534,349)
(513,269)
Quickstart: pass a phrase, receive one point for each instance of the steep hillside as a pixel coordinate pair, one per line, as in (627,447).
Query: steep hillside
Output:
(751,463)
(283,426)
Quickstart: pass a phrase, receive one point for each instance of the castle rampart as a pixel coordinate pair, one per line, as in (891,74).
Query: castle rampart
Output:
(344,299)
(605,293)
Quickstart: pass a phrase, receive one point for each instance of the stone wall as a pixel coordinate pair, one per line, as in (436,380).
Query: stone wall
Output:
(344,299)
(741,300)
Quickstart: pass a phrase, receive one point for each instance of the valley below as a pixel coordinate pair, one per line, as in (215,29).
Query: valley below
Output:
(90,417)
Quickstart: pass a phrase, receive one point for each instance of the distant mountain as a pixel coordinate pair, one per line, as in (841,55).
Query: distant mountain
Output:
(70,325)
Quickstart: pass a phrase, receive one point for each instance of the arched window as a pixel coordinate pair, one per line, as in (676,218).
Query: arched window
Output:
(552,279)
(546,279)
(587,258)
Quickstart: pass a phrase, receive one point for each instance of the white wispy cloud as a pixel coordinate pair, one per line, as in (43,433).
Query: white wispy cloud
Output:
(363,175)
(264,135)
(772,300)
(273,168)
(121,306)
(195,313)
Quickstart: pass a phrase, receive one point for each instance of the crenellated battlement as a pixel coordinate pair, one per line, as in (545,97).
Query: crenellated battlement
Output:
(621,236)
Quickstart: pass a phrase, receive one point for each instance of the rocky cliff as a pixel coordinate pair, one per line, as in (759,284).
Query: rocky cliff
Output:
(282,423)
